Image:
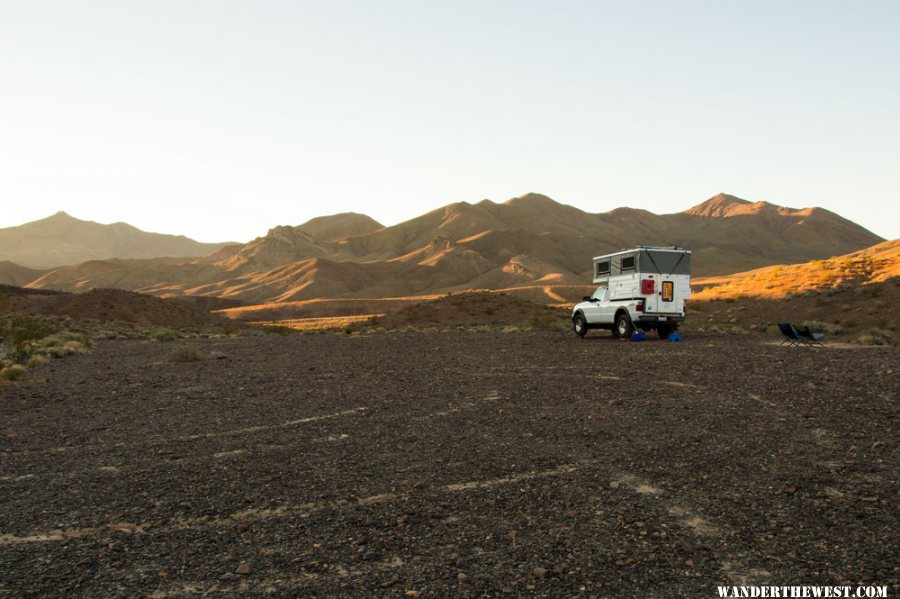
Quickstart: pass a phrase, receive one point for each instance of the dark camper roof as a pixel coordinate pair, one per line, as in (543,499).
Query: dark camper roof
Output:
(666,261)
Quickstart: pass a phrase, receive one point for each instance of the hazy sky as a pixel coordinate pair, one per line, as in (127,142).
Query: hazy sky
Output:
(220,119)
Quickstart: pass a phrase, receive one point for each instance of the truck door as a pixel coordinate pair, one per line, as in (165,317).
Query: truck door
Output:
(593,310)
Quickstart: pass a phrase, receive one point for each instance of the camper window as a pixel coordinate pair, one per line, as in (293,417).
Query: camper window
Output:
(627,263)
(603,268)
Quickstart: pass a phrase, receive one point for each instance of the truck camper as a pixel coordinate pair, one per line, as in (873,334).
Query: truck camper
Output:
(644,288)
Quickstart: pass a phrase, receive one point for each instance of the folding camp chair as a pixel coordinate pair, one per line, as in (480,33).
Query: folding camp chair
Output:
(808,337)
(791,336)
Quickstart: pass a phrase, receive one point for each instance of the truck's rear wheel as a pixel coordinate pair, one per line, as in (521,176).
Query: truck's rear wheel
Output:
(579,325)
(623,327)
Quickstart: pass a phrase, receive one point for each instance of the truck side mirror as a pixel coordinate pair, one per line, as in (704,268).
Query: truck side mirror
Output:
(586,298)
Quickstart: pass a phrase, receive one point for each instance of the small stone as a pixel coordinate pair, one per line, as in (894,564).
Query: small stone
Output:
(462,577)
(412,593)
(218,355)
(243,569)
(539,572)
(690,563)
(390,581)
(791,490)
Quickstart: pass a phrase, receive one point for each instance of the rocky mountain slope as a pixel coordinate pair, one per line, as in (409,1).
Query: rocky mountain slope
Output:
(527,241)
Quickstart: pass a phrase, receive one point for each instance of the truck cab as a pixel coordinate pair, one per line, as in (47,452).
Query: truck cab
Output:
(644,288)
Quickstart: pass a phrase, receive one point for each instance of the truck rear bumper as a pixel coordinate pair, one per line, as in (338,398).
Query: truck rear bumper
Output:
(651,318)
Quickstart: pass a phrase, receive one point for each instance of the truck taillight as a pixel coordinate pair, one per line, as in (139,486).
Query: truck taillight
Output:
(648,286)
(639,307)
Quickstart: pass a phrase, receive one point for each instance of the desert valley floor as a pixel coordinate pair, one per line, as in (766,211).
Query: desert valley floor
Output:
(463,464)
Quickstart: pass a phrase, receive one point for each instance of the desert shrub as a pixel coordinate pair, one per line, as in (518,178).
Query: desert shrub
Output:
(823,327)
(61,351)
(231,328)
(14,372)
(277,330)
(546,322)
(37,360)
(878,337)
(184,353)
(17,333)
(163,334)
(78,341)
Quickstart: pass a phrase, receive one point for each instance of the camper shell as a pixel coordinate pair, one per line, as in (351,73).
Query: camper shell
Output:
(645,287)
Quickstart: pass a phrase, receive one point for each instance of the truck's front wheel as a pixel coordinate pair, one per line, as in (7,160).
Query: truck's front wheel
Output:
(579,325)
(623,327)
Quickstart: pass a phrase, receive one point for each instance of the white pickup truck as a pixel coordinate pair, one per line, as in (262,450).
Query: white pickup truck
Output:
(642,288)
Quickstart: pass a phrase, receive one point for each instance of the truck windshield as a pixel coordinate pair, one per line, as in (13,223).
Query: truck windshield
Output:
(666,263)
(600,294)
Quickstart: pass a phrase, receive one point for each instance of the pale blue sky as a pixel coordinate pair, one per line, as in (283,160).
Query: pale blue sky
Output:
(220,119)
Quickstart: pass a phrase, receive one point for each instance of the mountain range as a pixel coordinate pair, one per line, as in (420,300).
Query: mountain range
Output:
(62,239)
(530,240)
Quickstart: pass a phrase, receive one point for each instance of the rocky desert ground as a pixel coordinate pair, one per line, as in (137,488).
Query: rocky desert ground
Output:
(454,464)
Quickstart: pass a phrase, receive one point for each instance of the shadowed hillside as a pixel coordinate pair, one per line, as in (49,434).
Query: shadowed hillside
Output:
(14,274)
(106,305)
(529,241)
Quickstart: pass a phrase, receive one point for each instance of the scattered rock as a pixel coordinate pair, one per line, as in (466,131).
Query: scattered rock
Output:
(243,569)
(218,355)
(462,577)
(539,572)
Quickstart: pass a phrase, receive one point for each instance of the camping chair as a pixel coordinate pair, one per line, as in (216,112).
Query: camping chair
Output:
(791,336)
(809,337)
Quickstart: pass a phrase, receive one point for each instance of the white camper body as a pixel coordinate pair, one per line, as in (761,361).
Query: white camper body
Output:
(644,287)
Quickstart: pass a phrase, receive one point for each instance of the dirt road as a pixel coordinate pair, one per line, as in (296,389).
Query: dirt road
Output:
(452,464)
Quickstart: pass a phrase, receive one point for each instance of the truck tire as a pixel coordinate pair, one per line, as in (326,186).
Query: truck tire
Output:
(579,325)
(623,327)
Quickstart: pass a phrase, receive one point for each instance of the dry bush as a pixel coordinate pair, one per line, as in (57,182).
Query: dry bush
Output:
(163,334)
(547,322)
(37,360)
(878,337)
(14,372)
(17,334)
(184,353)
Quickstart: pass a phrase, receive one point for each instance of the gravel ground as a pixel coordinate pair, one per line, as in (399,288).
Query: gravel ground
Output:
(463,464)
